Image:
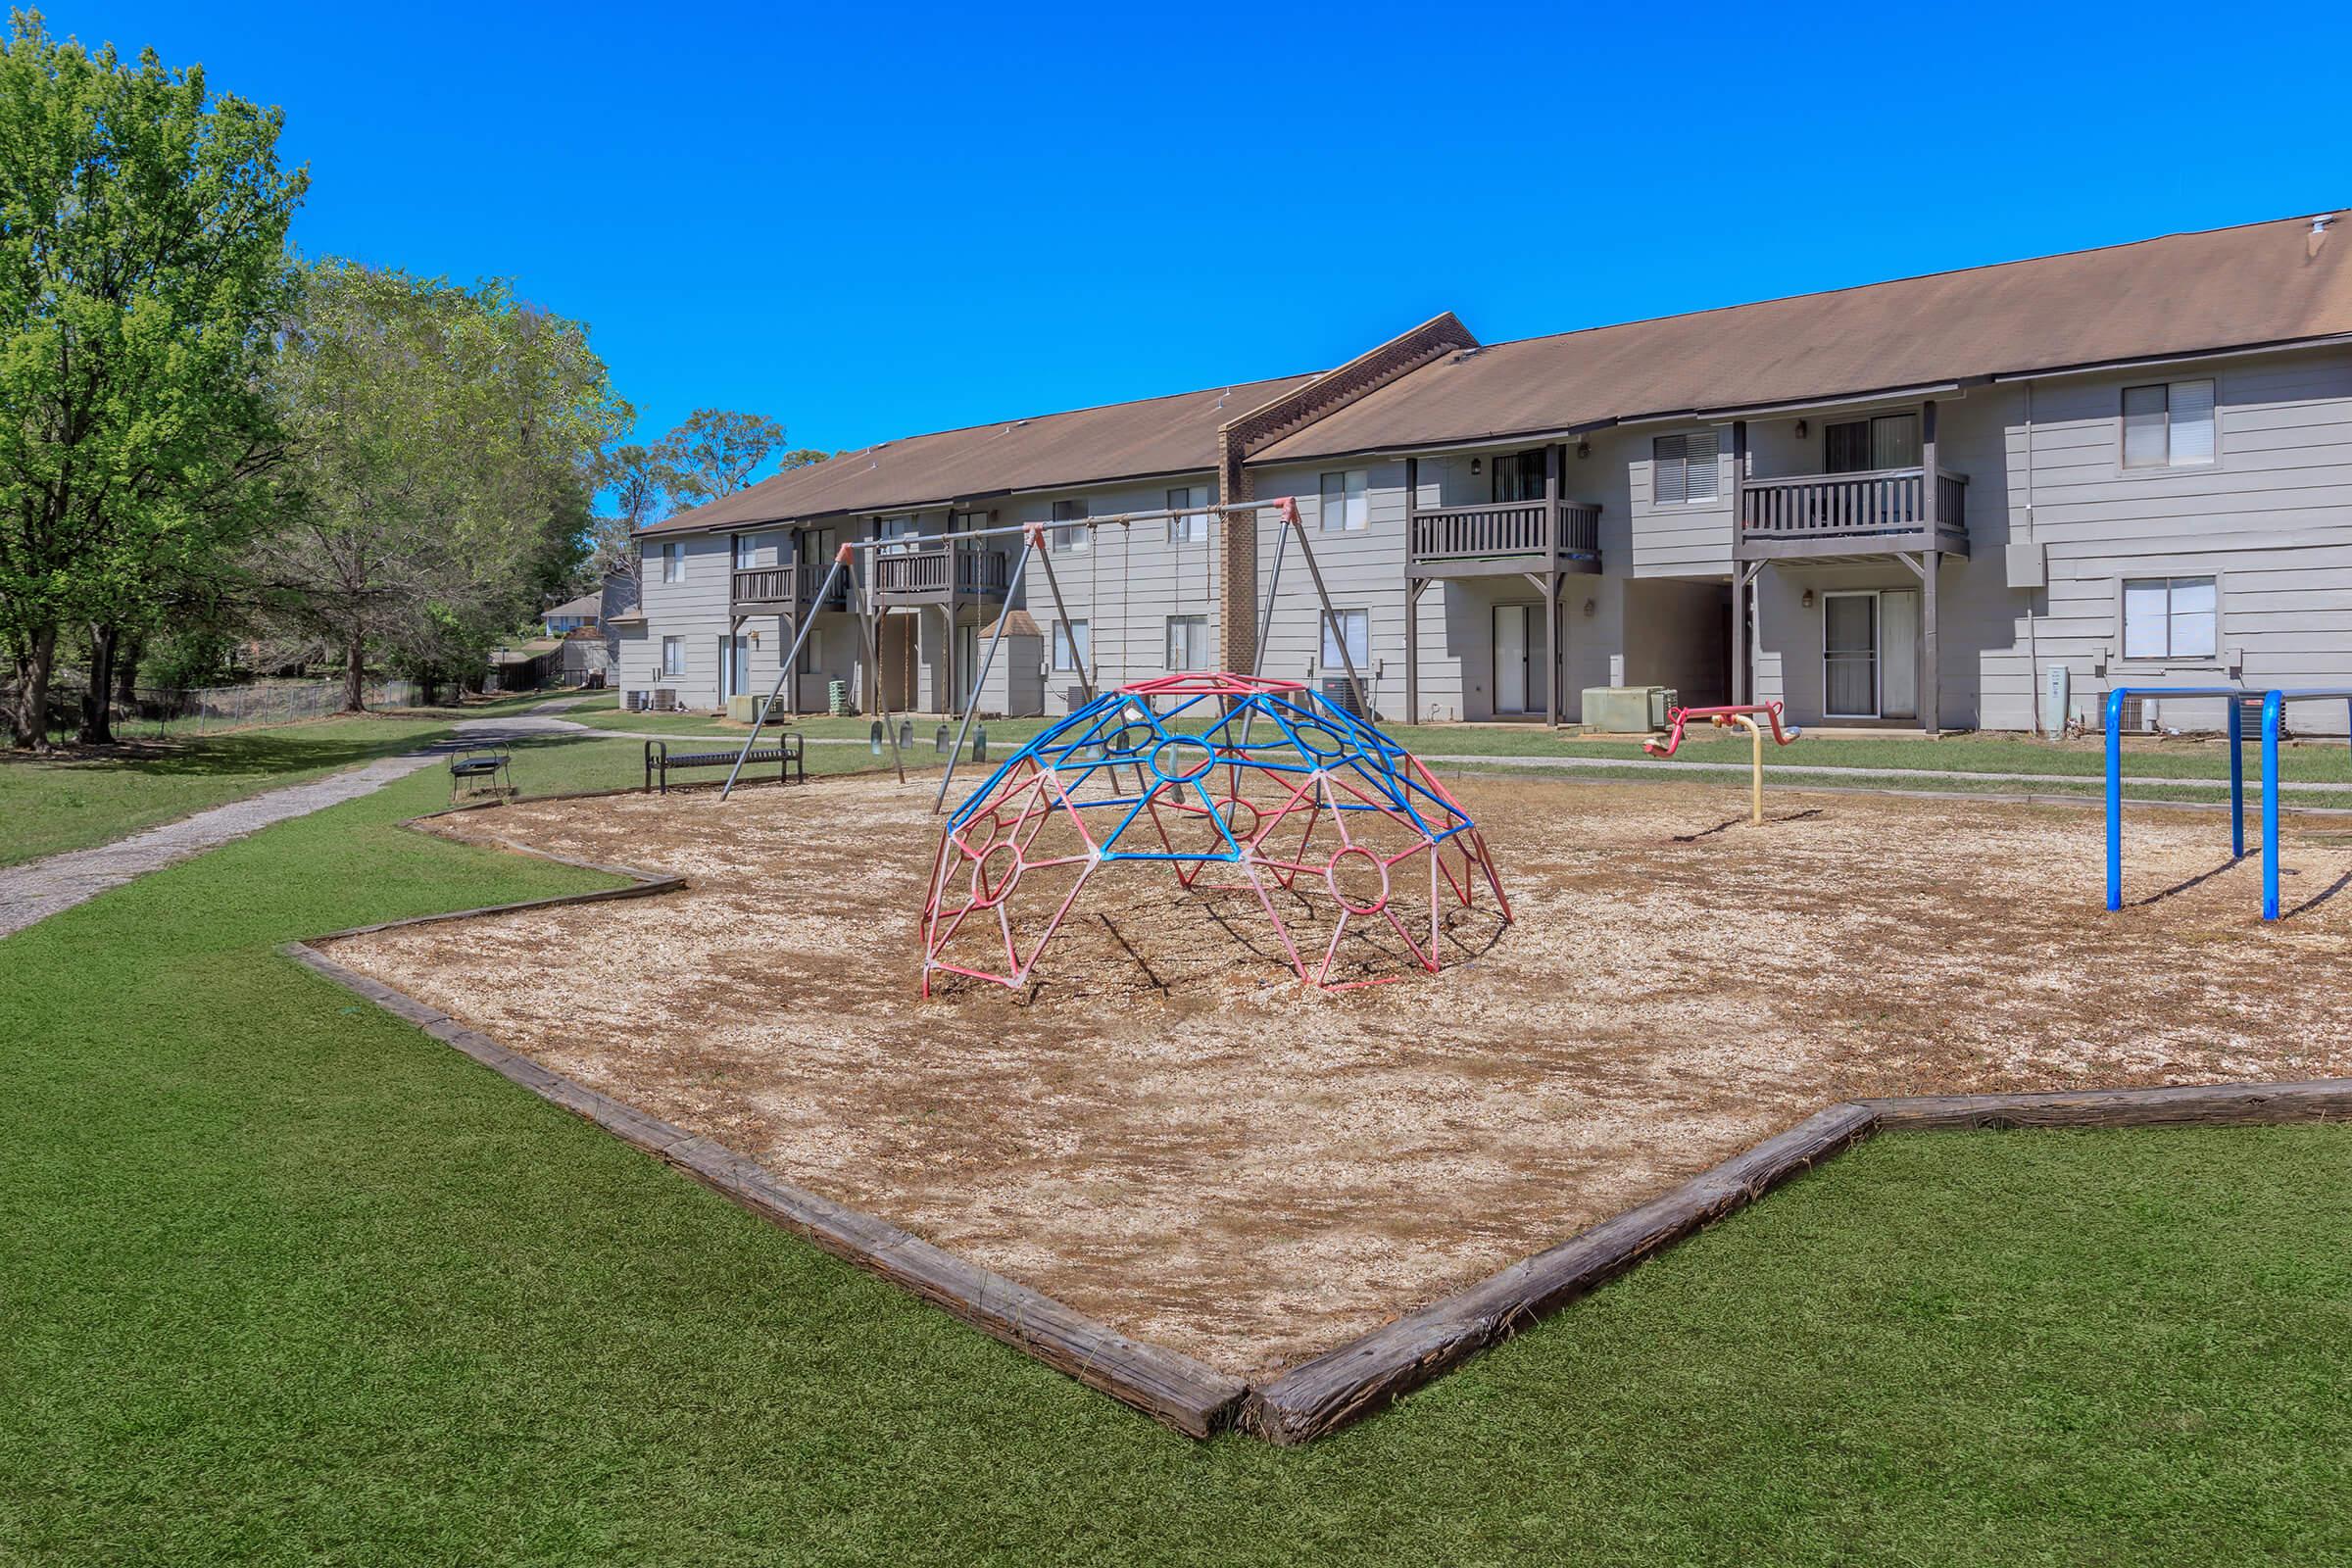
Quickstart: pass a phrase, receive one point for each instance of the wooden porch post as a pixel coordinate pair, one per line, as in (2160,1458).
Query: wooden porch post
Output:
(1740,572)
(790,560)
(1929,561)
(1412,597)
(1931,683)
(1551,585)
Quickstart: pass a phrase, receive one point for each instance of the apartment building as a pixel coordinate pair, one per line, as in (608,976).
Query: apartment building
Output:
(1920,503)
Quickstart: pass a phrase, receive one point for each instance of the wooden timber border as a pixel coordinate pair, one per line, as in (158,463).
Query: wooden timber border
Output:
(1317,1396)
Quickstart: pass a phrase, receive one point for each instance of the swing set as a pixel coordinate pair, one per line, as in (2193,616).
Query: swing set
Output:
(1034,544)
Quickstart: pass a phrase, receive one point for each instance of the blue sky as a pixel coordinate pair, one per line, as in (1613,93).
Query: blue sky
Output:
(873,222)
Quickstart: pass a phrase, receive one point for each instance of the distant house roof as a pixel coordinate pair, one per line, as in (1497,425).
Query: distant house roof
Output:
(1017,623)
(2282,282)
(1053,451)
(588,604)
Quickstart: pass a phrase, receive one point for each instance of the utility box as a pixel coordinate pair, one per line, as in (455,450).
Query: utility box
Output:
(1627,710)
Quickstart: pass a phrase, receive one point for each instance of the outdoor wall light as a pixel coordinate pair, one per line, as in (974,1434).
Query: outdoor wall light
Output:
(1807,601)
(1800,430)
(1592,607)
(1474,468)
(1583,449)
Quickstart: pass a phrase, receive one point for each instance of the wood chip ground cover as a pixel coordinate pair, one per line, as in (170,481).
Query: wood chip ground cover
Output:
(1169,1136)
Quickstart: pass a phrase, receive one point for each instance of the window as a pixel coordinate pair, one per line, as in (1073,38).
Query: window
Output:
(1069,644)
(673,657)
(747,551)
(1357,625)
(967,521)
(1682,468)
(1188,642)
(1070,538)
(1862,446)
(2168,426)
(1517,476)
(1347,501)
(2170,618)
(900,531)
(673,561)
(1192,528)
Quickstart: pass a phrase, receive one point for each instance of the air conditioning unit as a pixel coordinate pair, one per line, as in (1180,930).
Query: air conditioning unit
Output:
(1341,693)
(2134,716)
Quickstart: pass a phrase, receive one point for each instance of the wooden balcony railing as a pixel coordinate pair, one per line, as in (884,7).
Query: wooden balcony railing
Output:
(1503,528)
(1828,506)
(923,570)
(787,586)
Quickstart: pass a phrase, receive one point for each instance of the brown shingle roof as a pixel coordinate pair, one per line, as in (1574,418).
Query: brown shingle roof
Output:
(1088,446)
(2259,283)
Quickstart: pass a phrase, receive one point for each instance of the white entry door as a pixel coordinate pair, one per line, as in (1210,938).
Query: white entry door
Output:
(1518,665)
(1849,655)
(734,667)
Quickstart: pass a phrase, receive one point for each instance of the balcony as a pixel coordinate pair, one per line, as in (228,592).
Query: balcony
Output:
(919,574)
(1505,538)
(783,590)
(1882,512)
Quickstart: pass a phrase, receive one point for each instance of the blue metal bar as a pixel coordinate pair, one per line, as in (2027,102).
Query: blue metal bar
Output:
(2114,797)
(2272,704)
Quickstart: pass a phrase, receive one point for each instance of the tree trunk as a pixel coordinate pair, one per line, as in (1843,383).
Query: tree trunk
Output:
(97,702)
(354,675)
(28,720)
(126,668)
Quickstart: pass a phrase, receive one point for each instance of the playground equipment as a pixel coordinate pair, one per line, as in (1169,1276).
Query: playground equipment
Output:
(2237,699)
(1320,805)
(1725,717)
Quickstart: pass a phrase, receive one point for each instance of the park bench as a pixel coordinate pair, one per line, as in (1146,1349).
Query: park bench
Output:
(479,770)
(661,760)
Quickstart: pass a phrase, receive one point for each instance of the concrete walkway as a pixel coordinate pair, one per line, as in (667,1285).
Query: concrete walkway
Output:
(38,889)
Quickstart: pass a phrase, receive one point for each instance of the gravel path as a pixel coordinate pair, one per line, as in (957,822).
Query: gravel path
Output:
(38,889)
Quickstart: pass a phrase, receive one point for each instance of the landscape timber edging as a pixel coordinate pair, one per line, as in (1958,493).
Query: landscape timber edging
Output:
(1166,1385)
(1341,1385)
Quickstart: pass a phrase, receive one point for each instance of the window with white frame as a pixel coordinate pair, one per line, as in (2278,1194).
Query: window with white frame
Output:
(1357,626)
(1188,642)
(1682,469)
(1347,501)
(1070,538)
(673,561)
(673,657)
(898,532)
(1189,527)
(747,551)
(1069,644)
(2168,425)
(2171,618)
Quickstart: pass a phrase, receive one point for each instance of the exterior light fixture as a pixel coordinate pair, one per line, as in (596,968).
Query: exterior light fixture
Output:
(1583,449)
(1474,468)
(1807,601)
(1592,607)
(1800,430)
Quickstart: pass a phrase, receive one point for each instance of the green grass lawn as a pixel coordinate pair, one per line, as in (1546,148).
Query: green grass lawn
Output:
(52,805)
(288,1281)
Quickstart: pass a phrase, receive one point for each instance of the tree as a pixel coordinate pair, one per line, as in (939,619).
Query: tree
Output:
(715,453)
(446,442)
(635,477)
(142,262)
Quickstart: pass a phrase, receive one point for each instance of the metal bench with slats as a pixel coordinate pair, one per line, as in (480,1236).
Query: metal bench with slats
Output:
(660,761)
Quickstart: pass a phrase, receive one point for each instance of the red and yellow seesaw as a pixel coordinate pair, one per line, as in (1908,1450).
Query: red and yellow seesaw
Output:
(1743,715)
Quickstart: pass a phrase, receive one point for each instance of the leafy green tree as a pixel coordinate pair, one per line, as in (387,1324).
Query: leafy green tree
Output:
(445,450)
(142,264)
(715,453)
(638,482)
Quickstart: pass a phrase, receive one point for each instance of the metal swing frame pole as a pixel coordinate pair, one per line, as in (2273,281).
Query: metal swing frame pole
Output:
(987,661)
(873,661)
(791,657)
(1331,616)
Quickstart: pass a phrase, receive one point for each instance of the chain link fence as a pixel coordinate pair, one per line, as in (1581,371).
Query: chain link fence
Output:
(155,711)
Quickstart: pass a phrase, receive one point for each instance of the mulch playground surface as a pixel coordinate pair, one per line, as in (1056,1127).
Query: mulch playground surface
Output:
(1168,1134)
